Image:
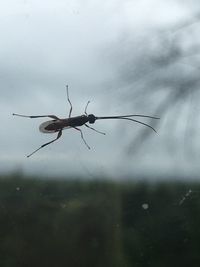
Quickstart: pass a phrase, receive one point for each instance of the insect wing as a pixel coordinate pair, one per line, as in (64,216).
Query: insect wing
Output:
(52,126)
(43,127)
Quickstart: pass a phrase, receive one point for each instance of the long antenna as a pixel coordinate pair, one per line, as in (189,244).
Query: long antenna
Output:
(124,116)
(127,117)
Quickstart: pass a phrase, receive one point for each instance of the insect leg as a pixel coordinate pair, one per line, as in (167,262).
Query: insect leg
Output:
(58,136)
(93,129)
(86,107)
(82,136)
(40,116)
(70,111)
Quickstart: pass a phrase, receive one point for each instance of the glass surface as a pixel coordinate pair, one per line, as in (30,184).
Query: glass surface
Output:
(98,223)
(82,198)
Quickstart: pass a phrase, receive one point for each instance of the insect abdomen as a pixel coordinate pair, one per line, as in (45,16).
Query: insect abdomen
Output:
(50,126)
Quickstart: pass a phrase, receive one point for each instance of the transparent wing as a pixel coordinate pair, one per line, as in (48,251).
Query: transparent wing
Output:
(52,127)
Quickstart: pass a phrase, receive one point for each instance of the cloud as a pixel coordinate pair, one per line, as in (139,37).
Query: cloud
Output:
(100,50)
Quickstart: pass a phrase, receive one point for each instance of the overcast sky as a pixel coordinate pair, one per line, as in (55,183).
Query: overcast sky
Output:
(88,45)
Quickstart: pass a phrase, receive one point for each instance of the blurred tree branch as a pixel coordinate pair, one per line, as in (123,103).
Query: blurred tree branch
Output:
(169,65)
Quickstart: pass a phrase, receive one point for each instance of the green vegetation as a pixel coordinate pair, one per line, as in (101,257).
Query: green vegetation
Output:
(51,223)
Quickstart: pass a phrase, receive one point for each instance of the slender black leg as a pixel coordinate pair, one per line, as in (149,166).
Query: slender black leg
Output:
(40,116)
(93,129)
(70,111)
(86,107)
(82,136)
(46,144)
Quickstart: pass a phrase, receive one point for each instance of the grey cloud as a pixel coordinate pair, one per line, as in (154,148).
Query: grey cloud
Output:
(106,58)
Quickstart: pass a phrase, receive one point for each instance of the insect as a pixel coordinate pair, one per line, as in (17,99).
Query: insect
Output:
(57,125)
